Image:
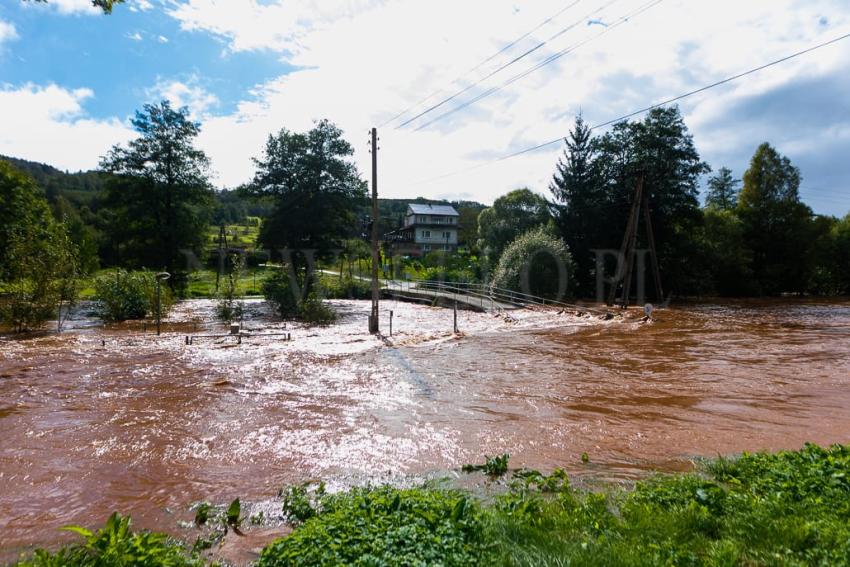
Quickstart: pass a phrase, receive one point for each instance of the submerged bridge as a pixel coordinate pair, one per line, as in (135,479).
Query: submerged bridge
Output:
(478,297)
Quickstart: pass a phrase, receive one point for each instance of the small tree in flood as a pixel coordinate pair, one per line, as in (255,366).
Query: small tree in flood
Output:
(230,305)
(537,263)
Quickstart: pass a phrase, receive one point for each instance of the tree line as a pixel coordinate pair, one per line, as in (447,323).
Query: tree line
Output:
(753,236)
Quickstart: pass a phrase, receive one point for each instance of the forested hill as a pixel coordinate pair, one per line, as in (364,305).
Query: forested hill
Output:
(79,188)
(83,187)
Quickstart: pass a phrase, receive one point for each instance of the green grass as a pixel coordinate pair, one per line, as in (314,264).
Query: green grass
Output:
(787,508)
(238,235)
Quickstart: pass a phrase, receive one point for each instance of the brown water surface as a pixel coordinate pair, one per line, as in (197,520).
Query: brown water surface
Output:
(148,426)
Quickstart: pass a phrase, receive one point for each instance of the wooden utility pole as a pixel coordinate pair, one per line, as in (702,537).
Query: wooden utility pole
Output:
(222,249)
(373,317)
(628,249)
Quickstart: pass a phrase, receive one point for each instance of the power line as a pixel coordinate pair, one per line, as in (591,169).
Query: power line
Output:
(651,107)
(505,65)
(487,60)
(547,61)
(691,93)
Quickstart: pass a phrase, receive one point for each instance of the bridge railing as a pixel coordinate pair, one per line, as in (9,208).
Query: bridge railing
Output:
(492,294)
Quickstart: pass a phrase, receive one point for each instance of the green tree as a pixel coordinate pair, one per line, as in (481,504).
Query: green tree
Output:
(23,208)
(537,262)
(578,199)
(42,276)
(841,255)
(726,257)
(159,194)
(315,190)
(660,149)
(511,215)
(777,226)
(722,190)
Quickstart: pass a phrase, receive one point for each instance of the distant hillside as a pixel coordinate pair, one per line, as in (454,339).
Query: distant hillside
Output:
(79,188)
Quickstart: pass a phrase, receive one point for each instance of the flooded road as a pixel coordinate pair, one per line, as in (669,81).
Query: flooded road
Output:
(149,426)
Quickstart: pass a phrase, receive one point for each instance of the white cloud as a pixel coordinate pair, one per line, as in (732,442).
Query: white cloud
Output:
(140,5)
(251,25)
(72,6)
(162,39)
(135,36)
(49,124)
(361,62)
(188,93)
(7,32)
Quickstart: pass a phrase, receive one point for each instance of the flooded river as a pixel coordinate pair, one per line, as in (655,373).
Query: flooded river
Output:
(96,420)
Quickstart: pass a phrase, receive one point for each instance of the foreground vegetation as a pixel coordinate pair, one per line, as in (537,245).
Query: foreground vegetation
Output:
(788,508)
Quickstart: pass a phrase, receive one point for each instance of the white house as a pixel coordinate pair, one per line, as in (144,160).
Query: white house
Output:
(426,228)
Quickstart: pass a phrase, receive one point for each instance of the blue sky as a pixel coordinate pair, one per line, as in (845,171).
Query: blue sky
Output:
(70,78)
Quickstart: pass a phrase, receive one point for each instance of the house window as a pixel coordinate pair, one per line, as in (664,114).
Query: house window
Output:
(426,234)
(426,248)
(447,235)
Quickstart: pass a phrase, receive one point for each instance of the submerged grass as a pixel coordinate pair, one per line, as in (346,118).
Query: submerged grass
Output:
(787,508)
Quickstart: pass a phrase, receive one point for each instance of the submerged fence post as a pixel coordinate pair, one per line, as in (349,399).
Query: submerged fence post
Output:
(455,316)
(391,322)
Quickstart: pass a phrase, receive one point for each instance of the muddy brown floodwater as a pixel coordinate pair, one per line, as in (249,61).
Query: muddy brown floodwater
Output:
(148,426)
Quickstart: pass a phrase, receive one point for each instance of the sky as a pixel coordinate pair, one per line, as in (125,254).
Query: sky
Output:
(71,78)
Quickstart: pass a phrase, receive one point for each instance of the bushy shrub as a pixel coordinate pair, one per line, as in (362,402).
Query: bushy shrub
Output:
(230,306)
(537,262)
(346,288)
(314,310)
(279,290)
(115,545)
(384,526)
(129,295)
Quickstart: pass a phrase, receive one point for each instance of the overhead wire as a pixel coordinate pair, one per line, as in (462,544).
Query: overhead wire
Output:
(504,66)
(485,61)
(551,59)
(645,109)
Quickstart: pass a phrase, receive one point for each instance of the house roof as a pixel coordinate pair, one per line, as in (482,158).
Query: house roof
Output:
(419,209)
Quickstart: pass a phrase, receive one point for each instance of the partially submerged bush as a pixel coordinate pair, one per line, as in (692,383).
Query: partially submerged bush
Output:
(230,306)
(126,296)
(334,287)
(281,291)
(538,263)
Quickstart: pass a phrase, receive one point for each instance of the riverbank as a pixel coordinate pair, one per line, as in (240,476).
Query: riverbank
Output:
(787,508)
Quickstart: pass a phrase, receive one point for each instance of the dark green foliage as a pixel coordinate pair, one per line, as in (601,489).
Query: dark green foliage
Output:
(284,291)
(510,216)
(493,466)
(129,295)
(777,226)
(315,190)
(233,514)
(159,196)
(537,263)
(384,526)
(281,290)
(334,287)
(789,508)
(595,183)
(722,191)
(115,545)
(302,502)
(577,189)
(230,305)
(38,260)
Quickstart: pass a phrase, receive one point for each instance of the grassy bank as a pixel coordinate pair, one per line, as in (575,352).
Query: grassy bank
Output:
(788,508)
